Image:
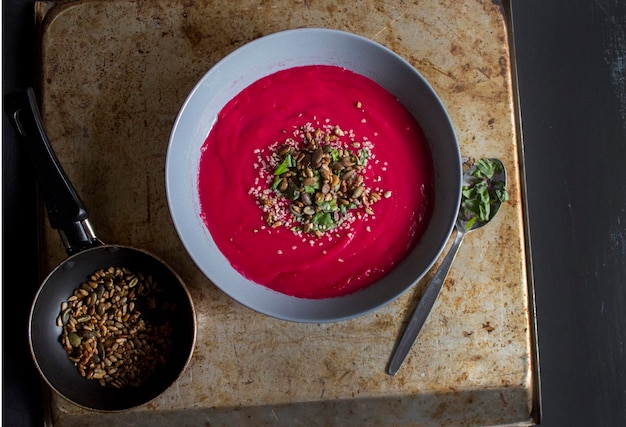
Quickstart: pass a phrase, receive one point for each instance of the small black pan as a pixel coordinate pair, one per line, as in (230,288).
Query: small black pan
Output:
(86,255)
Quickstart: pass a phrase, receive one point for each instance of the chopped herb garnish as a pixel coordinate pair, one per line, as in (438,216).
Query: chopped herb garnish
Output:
(334,154)
(284,166)
(323,220)
(317,181)
(276,182)
(363,156)
(482,193)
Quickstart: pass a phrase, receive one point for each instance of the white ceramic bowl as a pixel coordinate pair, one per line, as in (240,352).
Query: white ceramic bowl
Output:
(264,56)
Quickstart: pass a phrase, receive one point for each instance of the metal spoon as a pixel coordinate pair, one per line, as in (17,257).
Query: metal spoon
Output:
(432,289)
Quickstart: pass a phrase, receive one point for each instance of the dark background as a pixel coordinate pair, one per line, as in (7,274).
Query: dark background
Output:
(571,63)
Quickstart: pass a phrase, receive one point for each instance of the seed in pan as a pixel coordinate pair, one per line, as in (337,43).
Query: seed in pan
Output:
(101,335)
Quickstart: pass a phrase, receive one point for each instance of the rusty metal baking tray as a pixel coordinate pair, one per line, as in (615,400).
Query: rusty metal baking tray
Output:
(113,75)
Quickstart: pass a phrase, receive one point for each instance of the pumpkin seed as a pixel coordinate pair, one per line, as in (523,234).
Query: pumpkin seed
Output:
(306,199)
(74,339)
(358,192)
(309,181)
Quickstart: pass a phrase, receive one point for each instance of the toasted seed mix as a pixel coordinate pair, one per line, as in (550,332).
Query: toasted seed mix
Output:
(106,334)
(315,181)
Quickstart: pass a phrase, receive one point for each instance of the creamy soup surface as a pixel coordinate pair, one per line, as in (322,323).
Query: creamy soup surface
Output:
(236,179)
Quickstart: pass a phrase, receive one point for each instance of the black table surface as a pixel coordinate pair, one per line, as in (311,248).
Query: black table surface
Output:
(571,72)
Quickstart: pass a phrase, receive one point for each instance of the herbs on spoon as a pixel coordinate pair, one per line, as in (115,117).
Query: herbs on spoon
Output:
(482,193)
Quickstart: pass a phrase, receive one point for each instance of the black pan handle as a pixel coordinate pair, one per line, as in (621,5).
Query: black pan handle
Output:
(66,211)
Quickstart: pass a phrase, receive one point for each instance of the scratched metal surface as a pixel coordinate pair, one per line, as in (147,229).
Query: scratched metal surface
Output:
(113,76)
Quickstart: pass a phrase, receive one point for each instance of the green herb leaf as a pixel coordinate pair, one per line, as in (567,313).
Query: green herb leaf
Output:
(284,166)
(323,219)
(500,191)
(276,182)
(363,157)
(482,193)
(484,169)
(470,223)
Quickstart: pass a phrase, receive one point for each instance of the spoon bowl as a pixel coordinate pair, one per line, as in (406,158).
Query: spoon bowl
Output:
(471,216)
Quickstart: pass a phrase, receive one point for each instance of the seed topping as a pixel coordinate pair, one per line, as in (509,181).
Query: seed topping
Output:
(314,182)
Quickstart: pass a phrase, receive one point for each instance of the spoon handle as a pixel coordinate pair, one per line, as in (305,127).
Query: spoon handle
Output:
(425,305)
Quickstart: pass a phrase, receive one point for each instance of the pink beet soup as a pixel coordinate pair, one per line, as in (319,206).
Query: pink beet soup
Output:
(261,239)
